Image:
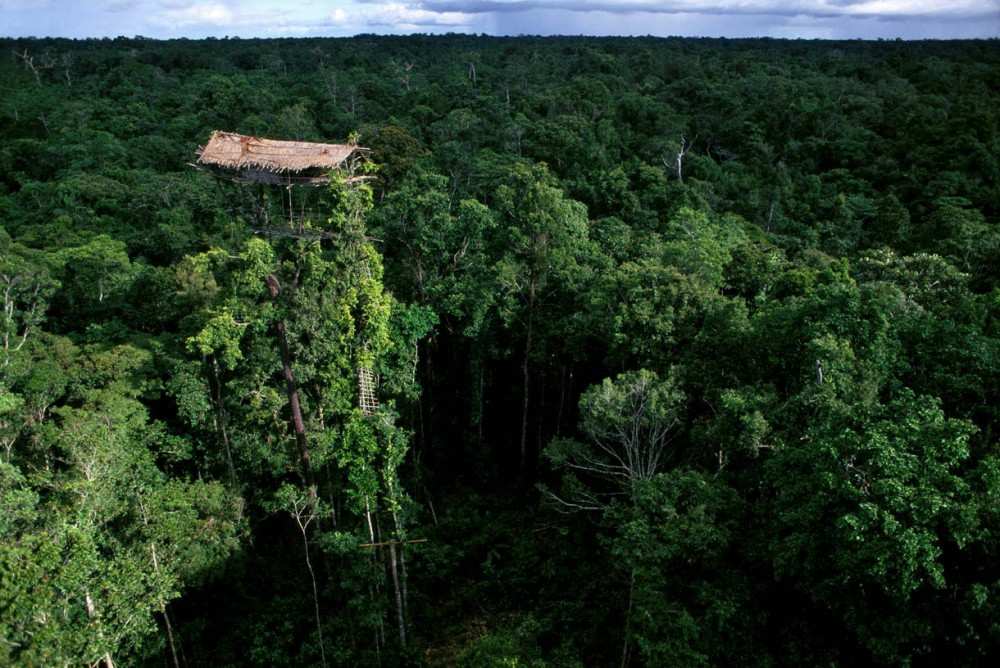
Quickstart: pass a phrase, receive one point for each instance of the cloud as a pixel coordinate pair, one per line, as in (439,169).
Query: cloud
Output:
(814,8)
(403,14)
(118,6)
(190,15)
(834,19)
(787,18)
(204,14)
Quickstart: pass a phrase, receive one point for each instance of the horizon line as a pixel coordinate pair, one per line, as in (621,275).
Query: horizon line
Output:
(213,38)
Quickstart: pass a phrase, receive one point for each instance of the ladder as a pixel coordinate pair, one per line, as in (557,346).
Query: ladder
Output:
(367,382)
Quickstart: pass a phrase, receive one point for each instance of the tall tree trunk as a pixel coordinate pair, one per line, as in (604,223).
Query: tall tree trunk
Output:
(170,635)
(540,417)
(92,615)
(481,414)
(163,605)
(377,559)
(562,400)
(368,517)
(405,578)
(427,401)
(421,424)
(402,565)
(220,418)
(298,423)
(400,619)
(526,373)
(312,576)
(628,621)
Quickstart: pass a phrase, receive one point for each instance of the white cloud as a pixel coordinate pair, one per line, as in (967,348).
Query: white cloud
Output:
(817,8)
(862,18)
(411,14)
(395,16)
(121,5)
(206,14)
(184,14)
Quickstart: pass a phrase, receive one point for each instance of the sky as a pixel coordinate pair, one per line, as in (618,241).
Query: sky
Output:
(808,19)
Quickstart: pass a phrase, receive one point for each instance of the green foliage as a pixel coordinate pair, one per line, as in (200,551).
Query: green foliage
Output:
(219,337)
(770,378)
(889,496)
(97,545)
(628,423)
(505,648)
(545,242)
(27,286)
(672,541)
(440,256)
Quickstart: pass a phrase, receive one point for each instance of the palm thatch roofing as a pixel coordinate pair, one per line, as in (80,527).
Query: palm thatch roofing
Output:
(231,151)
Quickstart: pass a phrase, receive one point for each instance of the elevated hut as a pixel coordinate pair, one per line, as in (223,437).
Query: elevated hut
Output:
(276,162)
(262,162)
(259,164)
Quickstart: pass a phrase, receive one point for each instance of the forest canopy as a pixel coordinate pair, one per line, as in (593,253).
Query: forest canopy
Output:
(686,352)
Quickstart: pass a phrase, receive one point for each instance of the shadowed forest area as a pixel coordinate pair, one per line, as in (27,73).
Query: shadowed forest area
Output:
(687,353)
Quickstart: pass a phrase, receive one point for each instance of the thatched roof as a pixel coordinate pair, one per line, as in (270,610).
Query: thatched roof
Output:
(229,150)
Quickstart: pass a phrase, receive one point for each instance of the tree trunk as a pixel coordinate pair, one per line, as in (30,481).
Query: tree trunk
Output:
(628,620)
(92,615)
(402,566)
(400,619)
(562,400)
(220,419)
(376,559)
(312,576)
(368,516)
(163,605)
(526,373)
(421,423)
(427,390)
(293,394)
(540,417)
(480,428)
(170,635)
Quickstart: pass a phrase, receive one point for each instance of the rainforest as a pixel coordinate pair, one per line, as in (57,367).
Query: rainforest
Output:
(599,352)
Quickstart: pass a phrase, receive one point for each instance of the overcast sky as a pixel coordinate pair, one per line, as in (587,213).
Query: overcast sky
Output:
(833,19)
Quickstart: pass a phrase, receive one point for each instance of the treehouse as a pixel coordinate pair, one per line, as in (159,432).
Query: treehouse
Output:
(246,159)
(252,161)
(259,165)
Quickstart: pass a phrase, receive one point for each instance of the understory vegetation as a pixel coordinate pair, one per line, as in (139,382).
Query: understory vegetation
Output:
(688,354)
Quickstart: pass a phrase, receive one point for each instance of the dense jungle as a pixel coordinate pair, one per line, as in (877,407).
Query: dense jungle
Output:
(687,354)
